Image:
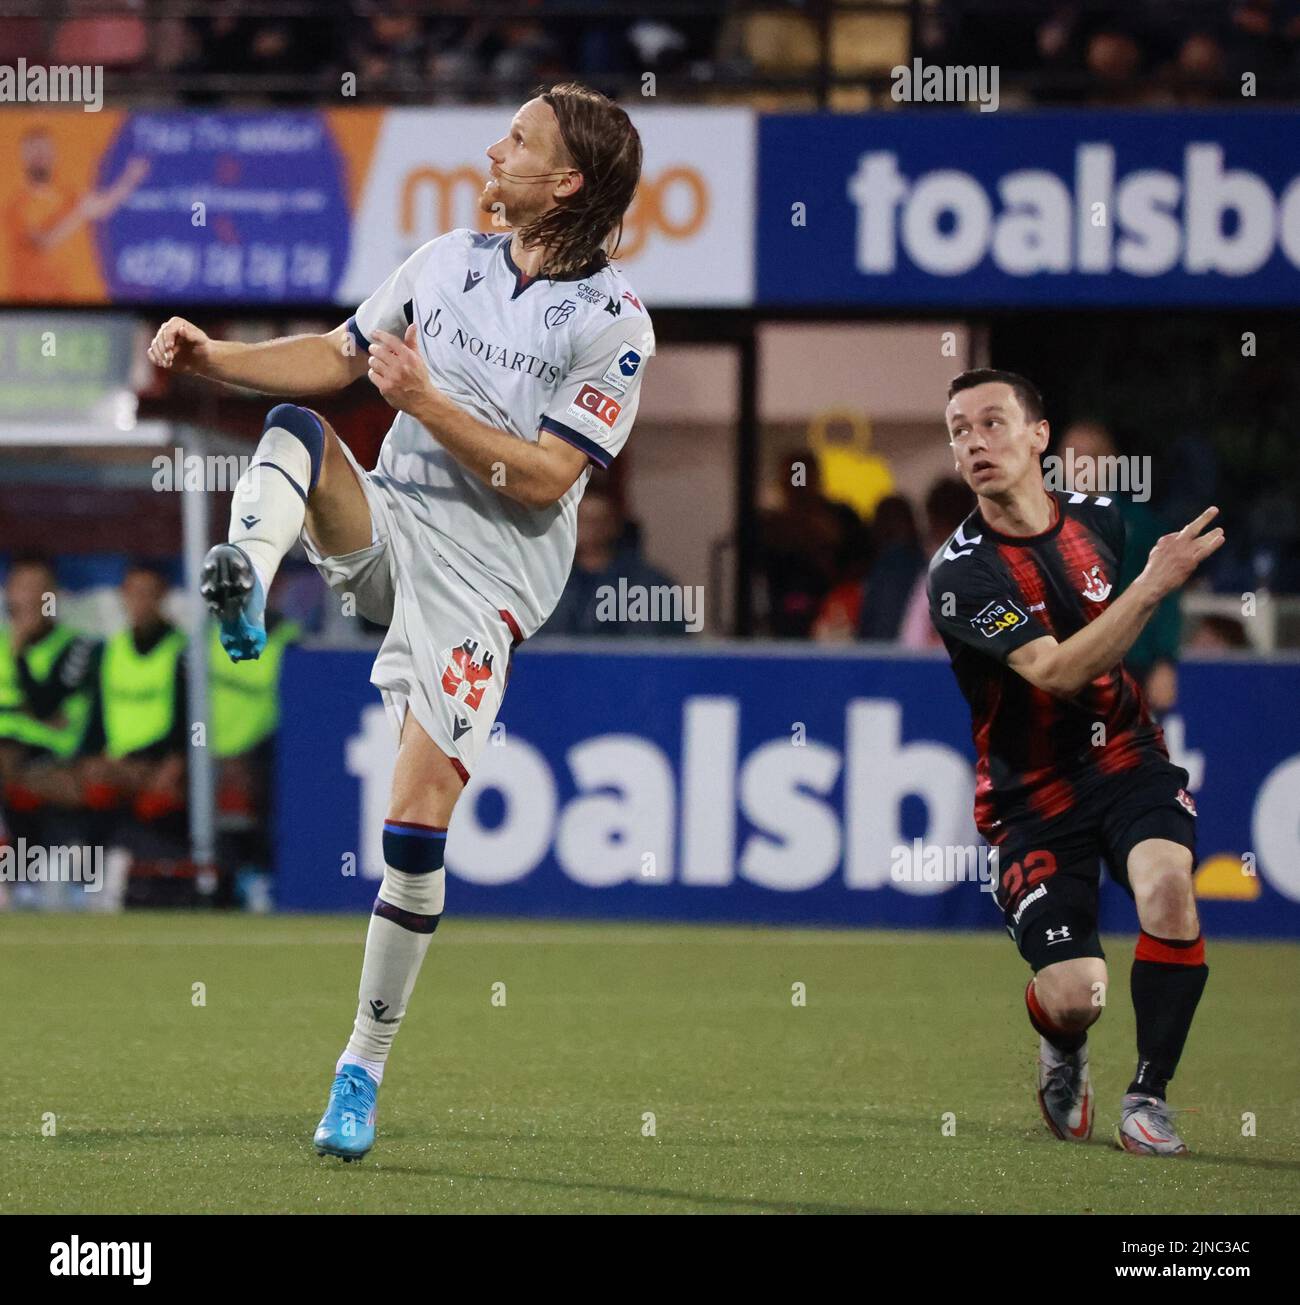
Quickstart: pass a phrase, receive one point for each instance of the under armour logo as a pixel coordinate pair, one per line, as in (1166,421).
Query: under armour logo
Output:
(1058,935)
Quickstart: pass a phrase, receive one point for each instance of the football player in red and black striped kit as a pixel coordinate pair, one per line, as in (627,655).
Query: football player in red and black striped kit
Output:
(1071,769)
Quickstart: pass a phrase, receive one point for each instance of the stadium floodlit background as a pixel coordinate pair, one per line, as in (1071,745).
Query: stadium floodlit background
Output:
(823,238)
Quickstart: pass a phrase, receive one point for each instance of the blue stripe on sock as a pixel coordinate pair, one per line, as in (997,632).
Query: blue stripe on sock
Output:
(277,467)
(415,852)
(406,919)
(416,831)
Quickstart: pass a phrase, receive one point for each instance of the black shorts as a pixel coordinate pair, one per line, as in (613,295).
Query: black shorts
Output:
(1049,874)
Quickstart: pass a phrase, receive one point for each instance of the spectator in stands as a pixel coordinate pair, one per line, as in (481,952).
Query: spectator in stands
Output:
(1113,59)
(1218,634)
(808,544)
(1264,37)
(872,608)
(235,43)
(140,732)
(1153,658)
(604,566)
(1198,74)
(392,51)
(948,503)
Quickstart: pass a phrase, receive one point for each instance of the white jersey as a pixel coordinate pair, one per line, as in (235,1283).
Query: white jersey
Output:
(522,354)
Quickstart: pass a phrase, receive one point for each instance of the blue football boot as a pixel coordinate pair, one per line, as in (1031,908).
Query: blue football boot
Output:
(234,595)
(347,1129)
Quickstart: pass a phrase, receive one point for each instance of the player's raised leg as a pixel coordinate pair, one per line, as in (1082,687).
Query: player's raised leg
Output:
(298,473)
(406,912)
(1063,1000)
(1169,975)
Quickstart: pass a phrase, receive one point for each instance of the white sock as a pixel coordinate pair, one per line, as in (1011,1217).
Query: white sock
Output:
(375,1068)
(267,512)
(392,963)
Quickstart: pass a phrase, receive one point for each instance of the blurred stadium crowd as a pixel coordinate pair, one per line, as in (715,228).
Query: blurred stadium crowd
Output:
(802,53)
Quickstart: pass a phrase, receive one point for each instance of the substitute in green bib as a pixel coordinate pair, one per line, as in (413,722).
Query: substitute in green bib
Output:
(46,672)
(244,702)
(244,714)
(141,725)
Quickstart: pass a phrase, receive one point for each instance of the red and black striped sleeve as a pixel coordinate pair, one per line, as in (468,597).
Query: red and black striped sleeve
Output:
(980,606)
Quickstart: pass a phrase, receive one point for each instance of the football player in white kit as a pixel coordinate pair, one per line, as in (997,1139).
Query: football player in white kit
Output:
(514,361)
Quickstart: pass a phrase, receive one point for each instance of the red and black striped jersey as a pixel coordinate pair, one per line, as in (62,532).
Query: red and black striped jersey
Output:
(991,594)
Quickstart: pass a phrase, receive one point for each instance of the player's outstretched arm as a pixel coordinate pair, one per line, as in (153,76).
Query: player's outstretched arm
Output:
(1065,669)
(292,366)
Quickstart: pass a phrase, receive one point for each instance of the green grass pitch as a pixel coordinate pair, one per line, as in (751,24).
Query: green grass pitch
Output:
(541,1104)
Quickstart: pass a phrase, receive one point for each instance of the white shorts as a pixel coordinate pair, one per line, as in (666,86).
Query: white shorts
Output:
(447,652)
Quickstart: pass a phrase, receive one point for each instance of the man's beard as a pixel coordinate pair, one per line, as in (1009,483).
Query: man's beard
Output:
(507,215)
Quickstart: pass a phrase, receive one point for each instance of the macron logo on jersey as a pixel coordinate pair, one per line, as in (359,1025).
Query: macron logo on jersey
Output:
(591,405)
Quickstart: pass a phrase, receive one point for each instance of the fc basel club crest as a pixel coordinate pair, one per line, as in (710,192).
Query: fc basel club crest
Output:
(463,678)
(1096,588)
(998,616)
(558,314)
(1186,801)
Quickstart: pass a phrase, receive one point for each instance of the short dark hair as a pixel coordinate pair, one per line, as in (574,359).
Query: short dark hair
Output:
(39,561)
(1026,392)
(147,566)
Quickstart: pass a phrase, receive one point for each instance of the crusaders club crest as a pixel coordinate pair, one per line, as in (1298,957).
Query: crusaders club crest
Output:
(465,679)
(1096,588)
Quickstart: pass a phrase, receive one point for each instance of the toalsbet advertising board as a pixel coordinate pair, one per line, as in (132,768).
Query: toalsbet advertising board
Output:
(753,784)
(1046,209)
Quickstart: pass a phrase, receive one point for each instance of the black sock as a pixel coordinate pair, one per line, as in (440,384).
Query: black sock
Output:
(1168,978)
